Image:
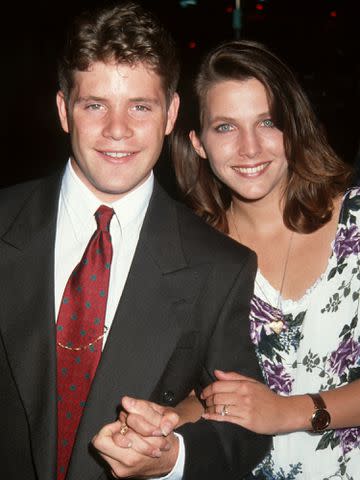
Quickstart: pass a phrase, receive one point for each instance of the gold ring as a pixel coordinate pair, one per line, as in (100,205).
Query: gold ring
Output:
(224,411)
(124,429)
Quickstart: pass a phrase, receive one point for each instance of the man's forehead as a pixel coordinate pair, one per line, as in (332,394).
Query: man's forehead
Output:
(121,65)
(138,80)
(140,75)
(124,70)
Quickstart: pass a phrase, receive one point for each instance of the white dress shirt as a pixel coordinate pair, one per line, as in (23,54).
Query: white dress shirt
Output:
(76,224)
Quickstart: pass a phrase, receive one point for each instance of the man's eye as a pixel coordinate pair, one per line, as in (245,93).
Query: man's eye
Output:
(224,127)
(141,108)
(268,123)
(94,106)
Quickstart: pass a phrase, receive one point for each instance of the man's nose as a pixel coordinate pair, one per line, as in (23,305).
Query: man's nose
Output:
(117,126)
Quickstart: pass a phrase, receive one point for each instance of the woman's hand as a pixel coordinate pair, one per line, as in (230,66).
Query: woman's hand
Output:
(248,403)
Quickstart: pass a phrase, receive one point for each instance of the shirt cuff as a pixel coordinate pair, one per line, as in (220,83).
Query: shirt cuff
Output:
(178,470)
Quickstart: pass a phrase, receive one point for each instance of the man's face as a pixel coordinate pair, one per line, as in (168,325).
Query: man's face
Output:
(117,117)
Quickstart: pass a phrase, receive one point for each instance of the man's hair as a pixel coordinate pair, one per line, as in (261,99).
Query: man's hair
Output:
(315,174)
(126,34)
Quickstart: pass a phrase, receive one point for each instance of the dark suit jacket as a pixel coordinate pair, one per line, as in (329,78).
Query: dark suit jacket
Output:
(183,312)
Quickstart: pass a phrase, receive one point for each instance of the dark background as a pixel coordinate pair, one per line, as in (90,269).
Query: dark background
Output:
(319,39)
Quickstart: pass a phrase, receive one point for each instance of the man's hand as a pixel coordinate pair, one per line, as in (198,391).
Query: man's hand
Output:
(127,462)
(141,442)
(148,418)
(147,426)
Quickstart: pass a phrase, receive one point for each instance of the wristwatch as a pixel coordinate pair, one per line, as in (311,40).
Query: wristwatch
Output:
(320,419)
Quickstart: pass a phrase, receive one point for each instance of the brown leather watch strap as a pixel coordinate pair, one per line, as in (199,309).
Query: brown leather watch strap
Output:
(318,400)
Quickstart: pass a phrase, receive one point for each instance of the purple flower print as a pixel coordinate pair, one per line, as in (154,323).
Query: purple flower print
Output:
(349,438)
(345,356)
(277,377)
(261,315)
(347,241)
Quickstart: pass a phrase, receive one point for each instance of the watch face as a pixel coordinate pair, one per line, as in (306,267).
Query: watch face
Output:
(320,420)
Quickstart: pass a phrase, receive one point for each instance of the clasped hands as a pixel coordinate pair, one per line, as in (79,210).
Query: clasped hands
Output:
(141,442)
(148,446)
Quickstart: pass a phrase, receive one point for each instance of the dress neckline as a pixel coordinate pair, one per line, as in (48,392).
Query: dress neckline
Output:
(288,304)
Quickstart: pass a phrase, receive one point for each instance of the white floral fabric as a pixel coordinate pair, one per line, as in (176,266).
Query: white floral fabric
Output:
(318,349)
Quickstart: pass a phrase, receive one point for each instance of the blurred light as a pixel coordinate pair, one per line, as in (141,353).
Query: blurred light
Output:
(192,44)
(333,14)
(259,7)
(187,3)
(229,9)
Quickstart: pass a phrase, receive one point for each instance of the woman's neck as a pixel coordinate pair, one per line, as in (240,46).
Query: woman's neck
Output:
(281,253)
(261,217)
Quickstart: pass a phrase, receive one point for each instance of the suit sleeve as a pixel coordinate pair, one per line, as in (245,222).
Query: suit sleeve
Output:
(220,449)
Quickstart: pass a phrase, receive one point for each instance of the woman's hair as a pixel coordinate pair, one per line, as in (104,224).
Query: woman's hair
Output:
(315,174)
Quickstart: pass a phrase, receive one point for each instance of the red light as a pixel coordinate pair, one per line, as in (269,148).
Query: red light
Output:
(229,9)
(192,44)
(259,7)
(333,14)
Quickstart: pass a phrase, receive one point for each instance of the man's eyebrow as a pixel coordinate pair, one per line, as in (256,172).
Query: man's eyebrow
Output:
(90,98)
(153,100)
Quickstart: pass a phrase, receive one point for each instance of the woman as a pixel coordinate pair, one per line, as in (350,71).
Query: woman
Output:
(260,170)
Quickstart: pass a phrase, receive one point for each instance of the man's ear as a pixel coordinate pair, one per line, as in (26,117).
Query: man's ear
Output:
(196,142)
(62,111)
(172,113)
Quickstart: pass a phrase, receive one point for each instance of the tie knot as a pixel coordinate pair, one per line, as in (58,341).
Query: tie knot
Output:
(103,217)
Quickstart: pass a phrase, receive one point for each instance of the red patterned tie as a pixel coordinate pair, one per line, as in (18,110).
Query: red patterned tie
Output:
(80,330)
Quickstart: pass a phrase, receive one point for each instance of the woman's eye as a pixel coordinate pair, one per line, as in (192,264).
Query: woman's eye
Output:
(224,127)
(268,123)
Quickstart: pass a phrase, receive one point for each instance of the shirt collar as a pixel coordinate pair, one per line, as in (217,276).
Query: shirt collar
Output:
(81,203)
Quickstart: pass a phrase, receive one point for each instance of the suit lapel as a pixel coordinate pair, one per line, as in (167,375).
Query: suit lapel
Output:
(145,328)
(28,324)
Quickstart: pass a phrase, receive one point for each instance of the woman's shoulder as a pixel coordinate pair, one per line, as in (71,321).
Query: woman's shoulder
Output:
(350,206)
(351,192)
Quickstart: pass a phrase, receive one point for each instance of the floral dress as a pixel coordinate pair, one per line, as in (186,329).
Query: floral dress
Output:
(317,349)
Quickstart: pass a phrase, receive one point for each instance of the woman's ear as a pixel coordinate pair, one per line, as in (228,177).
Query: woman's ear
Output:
(196,143)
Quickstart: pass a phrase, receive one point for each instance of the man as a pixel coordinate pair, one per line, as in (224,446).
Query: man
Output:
(174,295)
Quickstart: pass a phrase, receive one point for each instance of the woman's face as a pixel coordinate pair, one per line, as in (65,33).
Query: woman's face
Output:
(240,140)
